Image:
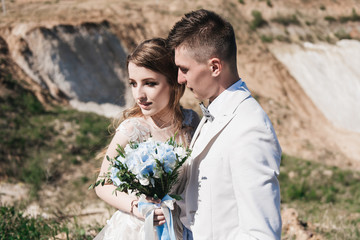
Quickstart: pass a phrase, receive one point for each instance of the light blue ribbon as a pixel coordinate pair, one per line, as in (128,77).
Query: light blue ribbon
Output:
(165,231)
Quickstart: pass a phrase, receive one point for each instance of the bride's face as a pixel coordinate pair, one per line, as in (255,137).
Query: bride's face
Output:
(150,90)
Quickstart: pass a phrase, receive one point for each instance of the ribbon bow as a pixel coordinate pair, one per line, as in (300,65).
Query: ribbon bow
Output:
(165,231)
(206,112)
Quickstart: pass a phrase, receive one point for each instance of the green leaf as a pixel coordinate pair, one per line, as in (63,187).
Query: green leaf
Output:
(176,197)
(121,151)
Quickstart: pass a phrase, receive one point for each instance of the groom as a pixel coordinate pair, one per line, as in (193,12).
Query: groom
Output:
(232,190)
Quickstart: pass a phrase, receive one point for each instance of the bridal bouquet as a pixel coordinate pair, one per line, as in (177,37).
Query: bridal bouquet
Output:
(148,168)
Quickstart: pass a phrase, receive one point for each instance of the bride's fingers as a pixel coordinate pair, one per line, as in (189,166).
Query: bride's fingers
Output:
(158,212)
(159,217)
(158,223)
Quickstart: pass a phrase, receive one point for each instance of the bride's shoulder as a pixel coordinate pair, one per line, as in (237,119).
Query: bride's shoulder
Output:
(191,118)
(135,128)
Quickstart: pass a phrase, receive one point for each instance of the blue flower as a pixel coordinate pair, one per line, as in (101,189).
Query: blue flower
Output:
(114,176)
(141,160)
(165,154)
(120,159)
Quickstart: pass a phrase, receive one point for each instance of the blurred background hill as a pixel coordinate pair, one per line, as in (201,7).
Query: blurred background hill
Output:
(63,79)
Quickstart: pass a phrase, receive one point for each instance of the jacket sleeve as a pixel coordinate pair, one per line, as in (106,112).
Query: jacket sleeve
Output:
(254,171)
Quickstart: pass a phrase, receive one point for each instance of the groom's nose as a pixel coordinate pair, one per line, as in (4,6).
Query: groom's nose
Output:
(181,78)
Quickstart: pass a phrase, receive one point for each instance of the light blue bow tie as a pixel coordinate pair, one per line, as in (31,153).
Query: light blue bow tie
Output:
(206,112)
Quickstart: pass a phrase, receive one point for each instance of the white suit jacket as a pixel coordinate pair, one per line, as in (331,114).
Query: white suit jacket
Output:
(232,190)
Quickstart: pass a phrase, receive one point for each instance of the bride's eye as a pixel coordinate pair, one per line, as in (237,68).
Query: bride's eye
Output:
(151,84)
(132,83)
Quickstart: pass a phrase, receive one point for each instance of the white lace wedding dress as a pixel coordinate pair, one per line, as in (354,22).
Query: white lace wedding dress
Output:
(123,226)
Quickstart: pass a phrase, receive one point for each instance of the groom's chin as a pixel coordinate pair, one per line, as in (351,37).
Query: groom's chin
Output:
(198,98)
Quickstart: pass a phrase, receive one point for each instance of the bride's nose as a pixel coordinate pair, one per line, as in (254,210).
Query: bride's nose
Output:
(139,94)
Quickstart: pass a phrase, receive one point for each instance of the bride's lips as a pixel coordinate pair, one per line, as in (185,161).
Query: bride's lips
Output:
(145,105)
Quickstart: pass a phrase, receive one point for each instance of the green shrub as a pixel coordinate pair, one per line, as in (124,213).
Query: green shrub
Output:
(354,17)
(269,3)
(323,195)
(14,225)
(330,19)
(33,173)
(287,20)
(342,34)
(307,181)
(266,39)
(257,21)
(29,137)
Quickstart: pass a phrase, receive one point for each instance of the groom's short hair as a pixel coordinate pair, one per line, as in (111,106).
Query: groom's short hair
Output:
(205,34)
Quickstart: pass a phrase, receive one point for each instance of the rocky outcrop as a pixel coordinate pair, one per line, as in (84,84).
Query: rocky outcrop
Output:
(84,64)
(9,69)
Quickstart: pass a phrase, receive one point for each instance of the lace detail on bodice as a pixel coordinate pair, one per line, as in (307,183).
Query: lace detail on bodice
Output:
(134,129)
(140,129)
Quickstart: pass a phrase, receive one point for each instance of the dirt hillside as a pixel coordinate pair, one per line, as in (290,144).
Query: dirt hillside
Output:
(302,129)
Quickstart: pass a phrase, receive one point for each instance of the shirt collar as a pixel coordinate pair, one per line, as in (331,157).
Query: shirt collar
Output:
(216,106)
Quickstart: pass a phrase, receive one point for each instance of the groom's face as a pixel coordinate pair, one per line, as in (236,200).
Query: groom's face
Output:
(196,75)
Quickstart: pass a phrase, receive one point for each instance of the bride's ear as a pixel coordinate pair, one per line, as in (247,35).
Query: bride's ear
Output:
(215,66)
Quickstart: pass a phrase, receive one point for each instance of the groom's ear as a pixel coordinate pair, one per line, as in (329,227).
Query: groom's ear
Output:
(215,66)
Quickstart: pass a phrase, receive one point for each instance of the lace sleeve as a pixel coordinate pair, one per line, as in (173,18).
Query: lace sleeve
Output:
(134,130)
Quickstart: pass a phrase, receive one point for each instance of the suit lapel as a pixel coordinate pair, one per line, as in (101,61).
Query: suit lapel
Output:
(197,131)
(211,132)
(233,100)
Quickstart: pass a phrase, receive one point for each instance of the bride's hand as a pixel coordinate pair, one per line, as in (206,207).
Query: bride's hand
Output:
(159,218)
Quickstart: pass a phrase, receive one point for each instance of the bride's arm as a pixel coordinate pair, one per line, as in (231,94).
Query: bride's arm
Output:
(122,201)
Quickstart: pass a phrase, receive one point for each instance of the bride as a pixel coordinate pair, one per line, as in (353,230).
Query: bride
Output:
(157,113)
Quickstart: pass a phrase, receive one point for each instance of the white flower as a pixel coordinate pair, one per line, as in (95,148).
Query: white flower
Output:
(181,152)
(144,181)
(120,159)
